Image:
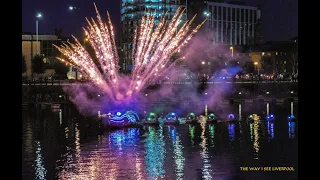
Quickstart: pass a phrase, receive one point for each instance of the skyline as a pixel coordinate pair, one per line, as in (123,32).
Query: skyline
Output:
(280,17)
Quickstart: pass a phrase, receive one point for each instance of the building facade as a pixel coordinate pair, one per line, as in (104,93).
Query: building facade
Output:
(233,23)
(32,47)
(44,46)
(132,12)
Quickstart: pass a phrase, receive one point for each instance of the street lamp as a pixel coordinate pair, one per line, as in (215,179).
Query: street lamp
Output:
(231,48)
(39,15)
(256,64)
(71,8)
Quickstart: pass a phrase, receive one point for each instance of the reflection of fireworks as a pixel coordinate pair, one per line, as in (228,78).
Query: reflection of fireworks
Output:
(256,138)
(152,48)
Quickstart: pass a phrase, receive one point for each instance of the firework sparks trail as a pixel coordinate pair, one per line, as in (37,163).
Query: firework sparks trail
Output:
(152,49)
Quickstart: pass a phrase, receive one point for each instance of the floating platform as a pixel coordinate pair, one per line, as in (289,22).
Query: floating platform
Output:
(151,122)
(171,122)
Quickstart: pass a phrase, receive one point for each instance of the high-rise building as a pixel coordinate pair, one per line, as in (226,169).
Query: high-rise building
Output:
(233,23)
(132,12)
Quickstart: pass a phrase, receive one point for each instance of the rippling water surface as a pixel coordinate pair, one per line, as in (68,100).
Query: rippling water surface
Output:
(61,144)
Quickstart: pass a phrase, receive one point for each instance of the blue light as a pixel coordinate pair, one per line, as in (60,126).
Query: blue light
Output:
(173,114)
(231,116)
(291,117)
(270,117)
(118,113)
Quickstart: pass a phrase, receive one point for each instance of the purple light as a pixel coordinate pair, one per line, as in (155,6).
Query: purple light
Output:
(231,116)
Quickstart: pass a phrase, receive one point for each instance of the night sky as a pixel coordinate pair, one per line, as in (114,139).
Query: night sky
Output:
(280,17)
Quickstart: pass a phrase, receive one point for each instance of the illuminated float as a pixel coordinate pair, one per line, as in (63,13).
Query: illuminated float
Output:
(270,117)
(191,118)
(230,118)
(120,119)
(171,118)
(291,118)
(151,119)
(212,118)
(253,117)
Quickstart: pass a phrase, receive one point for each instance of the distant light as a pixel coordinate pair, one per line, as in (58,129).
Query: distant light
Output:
(206,13)
(291,117)
(70,7)
(267,92)
(60,96)
(291,92)
(206,93)
(109,113)
(118,113)
(203,62)
(173,114)
(146,94)
(255,63)
(231,116)
(98,95)
(270,117)
(239,92)
(39,15)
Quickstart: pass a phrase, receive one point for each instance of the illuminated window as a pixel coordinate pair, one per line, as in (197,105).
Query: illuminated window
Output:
(262,53)
(276,53)
(285,62)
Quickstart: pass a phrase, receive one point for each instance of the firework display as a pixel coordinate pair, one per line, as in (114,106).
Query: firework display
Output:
(153,45)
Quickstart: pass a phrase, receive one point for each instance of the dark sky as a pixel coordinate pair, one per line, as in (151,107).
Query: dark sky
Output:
(280,17)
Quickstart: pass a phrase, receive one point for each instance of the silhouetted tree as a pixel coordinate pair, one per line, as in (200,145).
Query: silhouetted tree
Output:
(38,64)
(61,69)
(248,67)
(24,67)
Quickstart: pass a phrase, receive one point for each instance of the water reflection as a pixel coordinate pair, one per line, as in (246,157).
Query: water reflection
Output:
(40,170)
(177,154)
(291,108)
(240,112)
(60,116)
(211,133)
(291,126)
(206,169)
(270,125)
(77,145)
(268,109)
(191,129)
(66,130)
(231,131)
(155,153)
(256,139)
(251,131)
